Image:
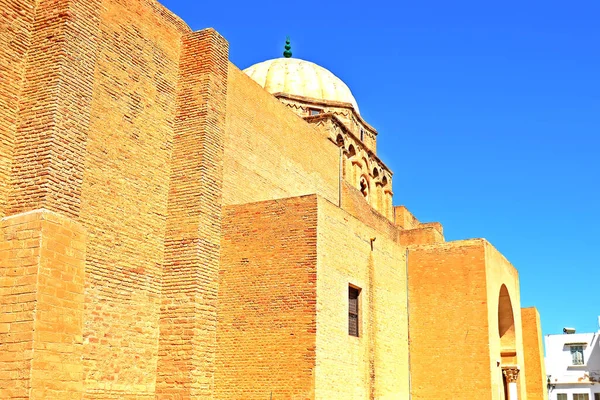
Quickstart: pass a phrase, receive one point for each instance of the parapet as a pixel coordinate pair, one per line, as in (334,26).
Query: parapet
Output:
(414,232)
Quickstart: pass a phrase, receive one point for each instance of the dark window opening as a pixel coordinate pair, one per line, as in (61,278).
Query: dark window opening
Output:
(353,294)
(362,134)
(314,111)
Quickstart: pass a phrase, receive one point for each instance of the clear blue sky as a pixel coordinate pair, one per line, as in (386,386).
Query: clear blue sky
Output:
(488,113)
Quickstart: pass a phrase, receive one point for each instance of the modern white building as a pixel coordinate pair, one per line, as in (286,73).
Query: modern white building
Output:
(573,365)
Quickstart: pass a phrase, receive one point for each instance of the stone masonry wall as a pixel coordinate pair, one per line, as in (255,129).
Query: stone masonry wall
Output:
(42,257)
(448,320)
(267,300)
(124,195)
(373,365)
(193,234)
(270,152)
(534,354)
(16,24)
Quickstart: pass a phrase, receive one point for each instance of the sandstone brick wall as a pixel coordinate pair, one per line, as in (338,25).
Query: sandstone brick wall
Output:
(500,272)
(375,364)
(354,203)
(533,354)
(16,23)
(54,103)
(269,151)
(193,234)
(448,321)
(267,300)
(42,258)
(124,195)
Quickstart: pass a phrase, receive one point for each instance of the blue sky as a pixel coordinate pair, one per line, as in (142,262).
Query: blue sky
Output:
(488,113)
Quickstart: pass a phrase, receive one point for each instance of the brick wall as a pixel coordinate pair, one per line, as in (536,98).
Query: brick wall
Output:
(375,364)
(16,22)
(124,195)
(267,300)
(53,121)
(533,354)
(41,306)
(448,319)
(354,203)
(500,272)
(192,242)
(269,151)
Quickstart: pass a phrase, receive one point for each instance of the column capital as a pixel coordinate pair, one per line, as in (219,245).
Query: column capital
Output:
(511,373)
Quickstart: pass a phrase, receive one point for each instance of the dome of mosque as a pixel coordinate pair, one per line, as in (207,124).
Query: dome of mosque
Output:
(301,78)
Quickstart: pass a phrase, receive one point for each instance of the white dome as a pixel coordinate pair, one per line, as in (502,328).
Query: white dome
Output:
(302,78)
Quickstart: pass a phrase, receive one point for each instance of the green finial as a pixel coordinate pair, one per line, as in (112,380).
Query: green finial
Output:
(288,48)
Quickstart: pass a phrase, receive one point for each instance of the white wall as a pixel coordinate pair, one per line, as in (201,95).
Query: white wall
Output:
(569,378)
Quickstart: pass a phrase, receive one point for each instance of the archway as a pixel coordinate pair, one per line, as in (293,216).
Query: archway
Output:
(506,321)
(508,347)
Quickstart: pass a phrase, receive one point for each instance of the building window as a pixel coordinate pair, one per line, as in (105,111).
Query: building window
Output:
(314,111)
(580,396)
(577,355)
(353,294)
(561,396)
(362,134)
(596,396)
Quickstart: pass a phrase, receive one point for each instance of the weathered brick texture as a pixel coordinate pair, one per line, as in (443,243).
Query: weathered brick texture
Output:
(270,152)
(448,321)
(16,22)
(42,258)
(375,364)
(534,354)
(54,115)
(267,300)
(192,241)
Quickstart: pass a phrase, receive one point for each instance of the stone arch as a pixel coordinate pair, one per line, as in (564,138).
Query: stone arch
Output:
(350,168)
(506,321)
(351,151)
(364,187)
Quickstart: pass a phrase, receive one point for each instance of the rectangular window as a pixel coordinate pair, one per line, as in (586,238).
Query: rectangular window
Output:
(581,396)
(577,355)
(596,396)
(314,111)
(561,396)
(353,294)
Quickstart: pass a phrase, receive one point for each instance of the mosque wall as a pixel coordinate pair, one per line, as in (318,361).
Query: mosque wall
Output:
(270,152)
(267,300)
(533,359)
(125,194)
(374,364)
(16,20)
(504,347)
(448,320)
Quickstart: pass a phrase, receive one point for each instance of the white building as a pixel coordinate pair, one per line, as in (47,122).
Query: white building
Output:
(573,365)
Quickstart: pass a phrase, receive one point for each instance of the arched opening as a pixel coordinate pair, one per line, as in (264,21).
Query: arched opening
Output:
(506,321)
(375,173)
(351,151)
(364,187)
(508,349)
(339,140)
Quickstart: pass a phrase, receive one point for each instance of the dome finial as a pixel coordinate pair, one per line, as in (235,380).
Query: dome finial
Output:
(288,48)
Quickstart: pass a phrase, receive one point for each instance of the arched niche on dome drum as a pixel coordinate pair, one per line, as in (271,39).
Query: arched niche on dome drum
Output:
(364,187)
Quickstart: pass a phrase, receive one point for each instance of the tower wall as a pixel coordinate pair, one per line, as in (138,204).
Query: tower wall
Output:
(17,25)
(124,194)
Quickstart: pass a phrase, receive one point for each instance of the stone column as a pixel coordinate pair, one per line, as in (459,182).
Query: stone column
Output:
(512,374)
